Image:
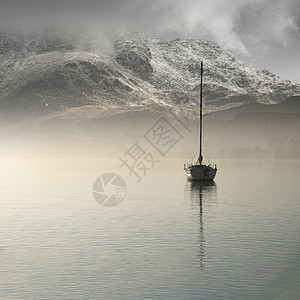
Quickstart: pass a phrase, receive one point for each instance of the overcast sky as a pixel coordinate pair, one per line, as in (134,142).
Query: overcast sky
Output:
(264,33)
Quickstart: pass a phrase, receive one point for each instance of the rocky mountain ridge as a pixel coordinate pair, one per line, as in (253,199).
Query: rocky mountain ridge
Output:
(51,74)
(174,67)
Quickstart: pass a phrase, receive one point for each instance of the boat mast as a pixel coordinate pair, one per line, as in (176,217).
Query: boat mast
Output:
(200,158)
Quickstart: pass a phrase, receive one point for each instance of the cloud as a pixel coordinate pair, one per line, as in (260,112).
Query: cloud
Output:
(266,24)
(270,31)
(252,29)
(233,23)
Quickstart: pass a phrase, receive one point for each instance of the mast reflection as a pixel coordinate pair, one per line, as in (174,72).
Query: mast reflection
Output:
(199,192)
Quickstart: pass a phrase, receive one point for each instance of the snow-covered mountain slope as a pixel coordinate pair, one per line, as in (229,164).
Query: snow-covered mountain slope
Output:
(44,73)
(174,67)
(56,81)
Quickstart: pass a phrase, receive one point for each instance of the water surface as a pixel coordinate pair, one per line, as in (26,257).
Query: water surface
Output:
(235,239)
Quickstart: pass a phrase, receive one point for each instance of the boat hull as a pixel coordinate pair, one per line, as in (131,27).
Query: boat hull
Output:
(200,173)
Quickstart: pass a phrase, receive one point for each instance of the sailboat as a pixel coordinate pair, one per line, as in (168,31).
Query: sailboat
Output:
(200,171)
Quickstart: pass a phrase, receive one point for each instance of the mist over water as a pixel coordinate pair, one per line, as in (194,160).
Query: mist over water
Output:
(253,135)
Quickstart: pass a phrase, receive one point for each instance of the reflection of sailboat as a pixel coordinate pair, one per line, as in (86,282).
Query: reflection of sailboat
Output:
(200,171)
(197,192)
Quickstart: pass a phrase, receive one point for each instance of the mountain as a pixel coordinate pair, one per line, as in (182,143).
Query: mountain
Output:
(257,130)
(174,67)
(289,105)
(59,97)
(49,72)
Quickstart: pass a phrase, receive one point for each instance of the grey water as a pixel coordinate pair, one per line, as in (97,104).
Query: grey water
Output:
(237,238)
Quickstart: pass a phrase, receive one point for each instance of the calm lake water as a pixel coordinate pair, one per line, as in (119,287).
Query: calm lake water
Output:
(169,239)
